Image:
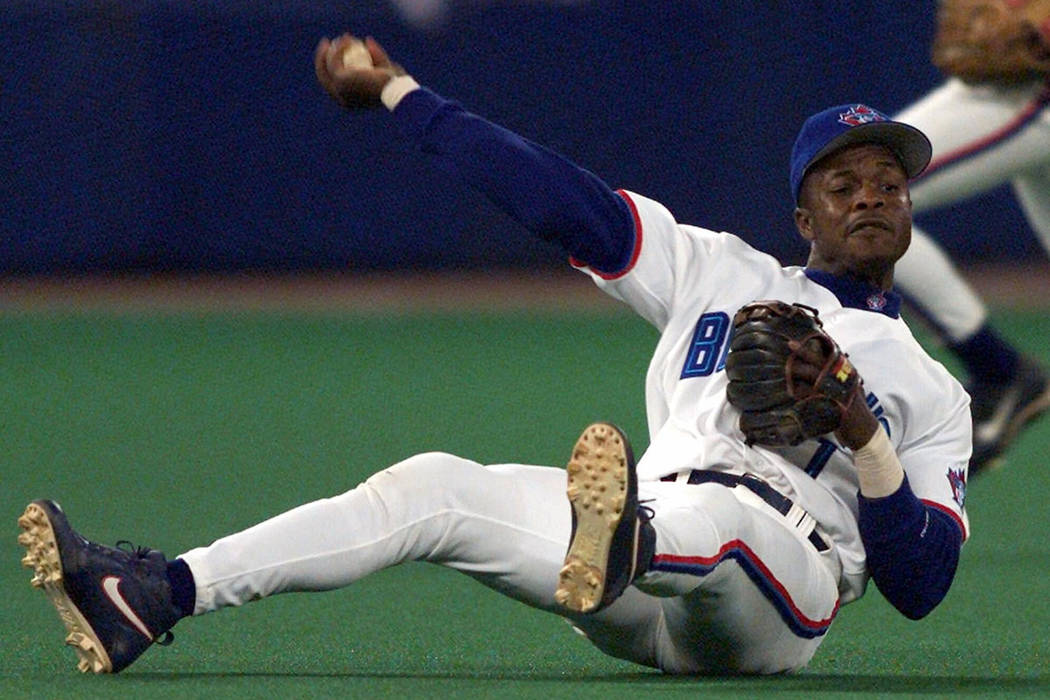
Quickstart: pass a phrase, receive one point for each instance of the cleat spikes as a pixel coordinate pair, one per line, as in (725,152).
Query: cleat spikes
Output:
(77,639)
(607,549)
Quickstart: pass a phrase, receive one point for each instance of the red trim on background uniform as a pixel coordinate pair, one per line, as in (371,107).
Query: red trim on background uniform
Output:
(1000,134)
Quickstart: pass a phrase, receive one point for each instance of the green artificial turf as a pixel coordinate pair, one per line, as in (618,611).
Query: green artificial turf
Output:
(172,430)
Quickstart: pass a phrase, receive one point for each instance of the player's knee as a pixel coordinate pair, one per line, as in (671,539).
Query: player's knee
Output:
(430,473)
(428,465)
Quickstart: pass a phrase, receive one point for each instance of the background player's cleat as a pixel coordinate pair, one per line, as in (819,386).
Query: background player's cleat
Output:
(1001,410)
(612,540)
(115,603)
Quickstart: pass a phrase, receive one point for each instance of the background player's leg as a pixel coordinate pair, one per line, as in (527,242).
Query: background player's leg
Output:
(987,149)
(1004,133)
(506,525)
(1032,190)
(937,291)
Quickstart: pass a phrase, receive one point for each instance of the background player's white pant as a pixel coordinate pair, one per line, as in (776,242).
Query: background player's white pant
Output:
(983,137)
(508,527)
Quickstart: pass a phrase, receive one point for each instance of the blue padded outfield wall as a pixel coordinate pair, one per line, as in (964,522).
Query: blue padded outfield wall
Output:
(148,135)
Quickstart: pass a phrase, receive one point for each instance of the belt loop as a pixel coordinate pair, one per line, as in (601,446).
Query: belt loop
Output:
(795,514)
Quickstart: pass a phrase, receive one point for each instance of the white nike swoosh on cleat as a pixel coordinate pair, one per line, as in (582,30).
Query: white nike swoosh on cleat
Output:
(111,586)
(992,429)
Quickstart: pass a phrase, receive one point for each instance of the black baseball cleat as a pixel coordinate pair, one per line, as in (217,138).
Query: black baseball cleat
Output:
(114,602)
(612,540)
(1000,410)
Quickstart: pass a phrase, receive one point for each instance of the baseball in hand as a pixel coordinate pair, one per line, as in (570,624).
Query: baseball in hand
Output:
(356,55)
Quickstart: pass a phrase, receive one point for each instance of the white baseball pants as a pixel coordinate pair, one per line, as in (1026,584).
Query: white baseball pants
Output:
(748,592)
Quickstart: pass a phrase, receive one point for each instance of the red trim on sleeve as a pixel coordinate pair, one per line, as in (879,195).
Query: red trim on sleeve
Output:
(949,512)
(635,252)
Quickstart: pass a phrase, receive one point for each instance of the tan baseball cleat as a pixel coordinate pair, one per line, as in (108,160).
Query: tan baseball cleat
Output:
(612,540)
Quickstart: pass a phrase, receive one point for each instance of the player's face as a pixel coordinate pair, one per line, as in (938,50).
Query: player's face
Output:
(855,211)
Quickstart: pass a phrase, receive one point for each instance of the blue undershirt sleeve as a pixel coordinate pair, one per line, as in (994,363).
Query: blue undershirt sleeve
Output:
(551,196)
(912,550)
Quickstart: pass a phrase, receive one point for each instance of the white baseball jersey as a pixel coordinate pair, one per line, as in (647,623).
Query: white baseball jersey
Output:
(688,282)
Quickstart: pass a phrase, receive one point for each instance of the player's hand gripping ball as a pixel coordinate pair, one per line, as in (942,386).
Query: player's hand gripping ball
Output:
(787,376)
(353,71)
(356,55)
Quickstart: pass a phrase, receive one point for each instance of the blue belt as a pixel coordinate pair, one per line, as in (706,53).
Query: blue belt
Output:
(781,503)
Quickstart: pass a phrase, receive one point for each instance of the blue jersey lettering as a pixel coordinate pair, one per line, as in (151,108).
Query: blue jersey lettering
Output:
(708,349)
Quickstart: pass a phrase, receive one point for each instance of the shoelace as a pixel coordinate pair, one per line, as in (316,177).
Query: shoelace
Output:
(132,549)
(139,554)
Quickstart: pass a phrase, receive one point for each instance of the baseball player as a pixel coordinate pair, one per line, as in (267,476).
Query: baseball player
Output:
(800,446)
(989,125)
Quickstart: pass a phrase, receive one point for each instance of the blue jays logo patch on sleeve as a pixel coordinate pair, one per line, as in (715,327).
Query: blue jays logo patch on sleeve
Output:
(957,478)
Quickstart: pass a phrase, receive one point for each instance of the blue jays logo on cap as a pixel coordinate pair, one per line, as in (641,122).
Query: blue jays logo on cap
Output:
(846,125)
(861,114)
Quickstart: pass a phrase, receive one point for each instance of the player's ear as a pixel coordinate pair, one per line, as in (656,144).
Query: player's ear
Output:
(804,223)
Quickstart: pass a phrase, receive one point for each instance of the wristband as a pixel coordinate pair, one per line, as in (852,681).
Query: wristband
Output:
(878,467)
(396,89)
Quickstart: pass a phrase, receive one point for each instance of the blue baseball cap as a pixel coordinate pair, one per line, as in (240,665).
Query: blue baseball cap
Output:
(846,125)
